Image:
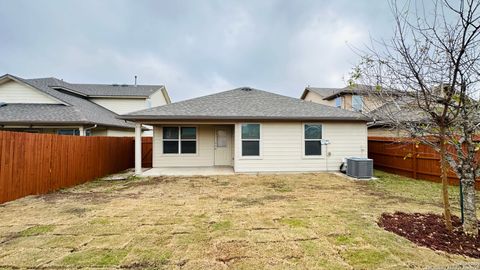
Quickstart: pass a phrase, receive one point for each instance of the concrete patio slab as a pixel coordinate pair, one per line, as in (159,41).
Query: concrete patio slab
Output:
(189,171)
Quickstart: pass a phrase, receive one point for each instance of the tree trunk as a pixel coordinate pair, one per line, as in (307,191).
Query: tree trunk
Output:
(444,176)
(470,225)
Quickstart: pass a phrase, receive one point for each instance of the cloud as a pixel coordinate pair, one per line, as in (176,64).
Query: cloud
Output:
(319,52)
(150,68)
(193,47)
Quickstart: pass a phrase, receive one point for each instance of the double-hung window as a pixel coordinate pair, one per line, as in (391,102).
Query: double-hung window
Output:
(250,140)
(179,140)
(313,139)
(357,103)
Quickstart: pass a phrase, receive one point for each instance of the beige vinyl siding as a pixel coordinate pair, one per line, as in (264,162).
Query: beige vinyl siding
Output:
(282,148)
(112,132)
(14,92)
(157,99)
(203,157)
(99,132)
(127,105)
(314,97)
(121,105)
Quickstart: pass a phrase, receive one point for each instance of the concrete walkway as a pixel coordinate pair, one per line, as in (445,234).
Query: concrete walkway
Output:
(189,171)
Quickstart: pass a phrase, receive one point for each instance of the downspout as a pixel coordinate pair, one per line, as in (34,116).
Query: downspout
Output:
(89,128)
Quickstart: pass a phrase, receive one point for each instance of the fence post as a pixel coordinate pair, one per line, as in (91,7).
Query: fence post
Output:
(414,160)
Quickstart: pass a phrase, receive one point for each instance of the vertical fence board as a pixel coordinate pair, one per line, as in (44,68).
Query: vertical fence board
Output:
(41,163)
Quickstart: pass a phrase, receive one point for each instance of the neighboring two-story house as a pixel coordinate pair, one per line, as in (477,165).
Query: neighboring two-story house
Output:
(50,105)
(359,98)
(354,98)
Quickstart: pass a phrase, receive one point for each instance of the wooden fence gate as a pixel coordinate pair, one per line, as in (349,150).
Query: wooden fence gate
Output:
(147,153)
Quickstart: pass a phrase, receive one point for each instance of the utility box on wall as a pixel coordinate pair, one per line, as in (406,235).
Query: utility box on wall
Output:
(360,167)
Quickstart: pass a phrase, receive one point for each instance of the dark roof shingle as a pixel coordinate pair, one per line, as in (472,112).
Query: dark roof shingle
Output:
(75,109)
(246,103)
(112,90)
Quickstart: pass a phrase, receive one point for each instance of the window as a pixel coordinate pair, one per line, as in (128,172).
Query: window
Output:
(338,102)
(179,140)
(221,138)
(357,103)
(313,139)
(68,132)
(250,140)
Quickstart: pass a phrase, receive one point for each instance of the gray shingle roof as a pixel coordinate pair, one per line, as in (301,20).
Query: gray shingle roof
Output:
(404,109)
(323,92)
(75,110)
(112,90)
(246,103)
(358,89)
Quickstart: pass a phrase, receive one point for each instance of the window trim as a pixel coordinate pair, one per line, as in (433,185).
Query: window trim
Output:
(321,156)
(197,140)
(260,145)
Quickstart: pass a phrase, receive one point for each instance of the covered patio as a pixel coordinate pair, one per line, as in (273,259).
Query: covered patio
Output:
(189,148)
(189,171)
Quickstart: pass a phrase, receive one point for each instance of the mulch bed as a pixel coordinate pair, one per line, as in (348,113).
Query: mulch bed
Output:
(429,230)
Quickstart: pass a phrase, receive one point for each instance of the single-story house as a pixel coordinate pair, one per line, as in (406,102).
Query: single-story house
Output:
(251,130)
(50,105)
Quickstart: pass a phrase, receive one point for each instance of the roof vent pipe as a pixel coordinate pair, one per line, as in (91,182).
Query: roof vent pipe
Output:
(135,80)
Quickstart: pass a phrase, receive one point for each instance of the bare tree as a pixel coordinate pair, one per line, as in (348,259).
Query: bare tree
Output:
(426,78)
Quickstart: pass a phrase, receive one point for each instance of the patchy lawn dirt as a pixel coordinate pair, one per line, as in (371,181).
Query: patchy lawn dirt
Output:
(429,230)
(293,221)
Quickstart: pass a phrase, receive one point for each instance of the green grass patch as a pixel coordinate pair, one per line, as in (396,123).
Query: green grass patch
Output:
(343,239)
(147,258)
(222,225)
(100,221)
(280,186)
(192,238)
(421,191)
(95,257)
(366,258)
(294,222)
(37,230)
(310,248)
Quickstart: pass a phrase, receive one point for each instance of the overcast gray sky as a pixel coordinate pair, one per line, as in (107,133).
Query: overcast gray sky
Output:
(192,47)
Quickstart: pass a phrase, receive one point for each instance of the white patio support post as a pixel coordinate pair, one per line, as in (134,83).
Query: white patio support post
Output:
(81,131)
(138,148)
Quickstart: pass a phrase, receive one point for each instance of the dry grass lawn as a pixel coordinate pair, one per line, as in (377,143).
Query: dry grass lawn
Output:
(302,221)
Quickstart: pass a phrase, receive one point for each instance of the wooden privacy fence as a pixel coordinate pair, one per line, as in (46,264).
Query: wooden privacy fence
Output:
(40,163)
(403,157)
